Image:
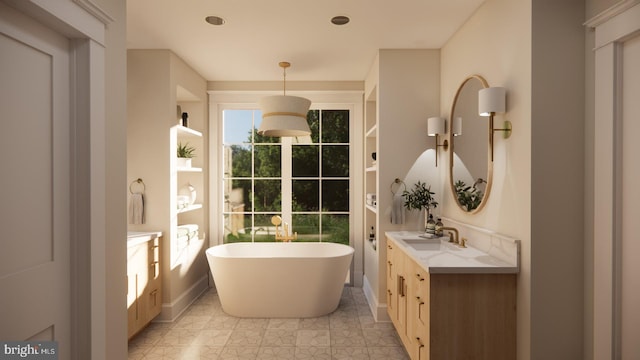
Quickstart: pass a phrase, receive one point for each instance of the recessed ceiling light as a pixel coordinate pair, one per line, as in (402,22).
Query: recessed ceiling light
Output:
(215,20)
(340,20)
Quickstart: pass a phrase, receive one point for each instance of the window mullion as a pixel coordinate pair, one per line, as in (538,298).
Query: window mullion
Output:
(287,173)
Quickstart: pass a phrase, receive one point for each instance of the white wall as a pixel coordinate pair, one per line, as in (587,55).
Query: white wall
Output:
(115,333)
(496,44)
(537,194)
(152,89)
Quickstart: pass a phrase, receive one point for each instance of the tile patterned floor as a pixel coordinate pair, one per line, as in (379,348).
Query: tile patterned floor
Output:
(204,331)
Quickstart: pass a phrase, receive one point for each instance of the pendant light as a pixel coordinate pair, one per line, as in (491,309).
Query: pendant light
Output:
(284,115)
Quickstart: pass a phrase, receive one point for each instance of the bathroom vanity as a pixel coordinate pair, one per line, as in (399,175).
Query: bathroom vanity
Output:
(450,302)
(144,292)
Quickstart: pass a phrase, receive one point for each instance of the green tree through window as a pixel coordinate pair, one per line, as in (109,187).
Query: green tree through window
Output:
(254,182)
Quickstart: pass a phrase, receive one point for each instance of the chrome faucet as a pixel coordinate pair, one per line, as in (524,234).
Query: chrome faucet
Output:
(454,232)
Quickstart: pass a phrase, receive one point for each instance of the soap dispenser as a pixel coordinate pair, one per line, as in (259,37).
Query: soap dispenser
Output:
(431,225)
(438,228)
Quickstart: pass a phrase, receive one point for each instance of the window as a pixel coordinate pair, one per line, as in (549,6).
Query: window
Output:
(306,181)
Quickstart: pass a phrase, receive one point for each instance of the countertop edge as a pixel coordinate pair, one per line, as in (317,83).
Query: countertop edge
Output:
(451,269)
(138,237)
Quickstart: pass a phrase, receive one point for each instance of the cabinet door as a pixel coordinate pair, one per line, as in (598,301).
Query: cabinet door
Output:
(418,311)
(391,278)
(154,291)
(137,280)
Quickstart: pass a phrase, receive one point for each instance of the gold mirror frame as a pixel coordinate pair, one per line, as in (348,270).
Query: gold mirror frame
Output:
(489,175)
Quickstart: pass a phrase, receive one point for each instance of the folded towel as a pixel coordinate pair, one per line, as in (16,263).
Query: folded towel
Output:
(187,229)
(397,209)
(136,209)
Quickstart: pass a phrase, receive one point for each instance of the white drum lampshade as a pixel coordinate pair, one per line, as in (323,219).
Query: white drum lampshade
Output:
(491,100)
(435,126)
(284,115)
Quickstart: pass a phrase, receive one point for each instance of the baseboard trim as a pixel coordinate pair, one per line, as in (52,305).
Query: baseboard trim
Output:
(171,311)
(379,310)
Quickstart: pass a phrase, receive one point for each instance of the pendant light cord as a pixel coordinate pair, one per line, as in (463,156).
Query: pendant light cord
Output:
(284,65)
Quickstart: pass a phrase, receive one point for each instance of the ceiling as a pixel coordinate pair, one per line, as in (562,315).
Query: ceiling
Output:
(260,33)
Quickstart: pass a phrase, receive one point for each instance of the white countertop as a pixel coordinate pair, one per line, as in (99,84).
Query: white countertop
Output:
(441,257)
(137,237)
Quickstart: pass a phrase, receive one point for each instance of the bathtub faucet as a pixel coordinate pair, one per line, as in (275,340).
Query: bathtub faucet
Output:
(283,236)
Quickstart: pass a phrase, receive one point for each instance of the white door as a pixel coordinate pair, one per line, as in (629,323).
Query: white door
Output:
(630,259)
(35,182)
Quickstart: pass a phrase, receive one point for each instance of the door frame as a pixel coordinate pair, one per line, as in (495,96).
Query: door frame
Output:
(612,28)
(84,23)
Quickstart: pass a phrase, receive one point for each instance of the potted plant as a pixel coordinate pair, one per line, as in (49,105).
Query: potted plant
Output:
(185,154)
(420,198)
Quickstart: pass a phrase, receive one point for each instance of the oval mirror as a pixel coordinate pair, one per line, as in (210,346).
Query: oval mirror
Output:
(470,167)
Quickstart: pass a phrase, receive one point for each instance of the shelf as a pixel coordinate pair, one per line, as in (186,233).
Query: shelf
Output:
(373,132)
(372,168)
(189,169)
(185,131)
(189,208)
(371,208)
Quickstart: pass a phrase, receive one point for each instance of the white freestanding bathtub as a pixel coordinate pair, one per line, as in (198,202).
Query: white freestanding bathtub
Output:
(279,280)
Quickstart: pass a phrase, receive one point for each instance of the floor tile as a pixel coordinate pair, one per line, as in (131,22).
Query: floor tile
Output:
(350,353)
(206,332)
(317,338)
(279,337)
(276,353)
(313,353)
(347,338)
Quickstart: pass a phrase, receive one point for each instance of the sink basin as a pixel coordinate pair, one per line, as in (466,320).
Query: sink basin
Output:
(426,244)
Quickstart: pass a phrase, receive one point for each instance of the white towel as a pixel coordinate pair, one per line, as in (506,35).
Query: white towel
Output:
(397,209)
(136,209)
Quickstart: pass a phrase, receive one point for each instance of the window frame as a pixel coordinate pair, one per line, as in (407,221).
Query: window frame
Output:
(351,100)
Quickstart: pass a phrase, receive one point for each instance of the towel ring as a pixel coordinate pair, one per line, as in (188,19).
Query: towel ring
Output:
(400,182)
(134,182)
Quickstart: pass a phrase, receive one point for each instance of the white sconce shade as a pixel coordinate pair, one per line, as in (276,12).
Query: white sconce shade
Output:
(284,116)
(491,100)
(456,127)
(435,126)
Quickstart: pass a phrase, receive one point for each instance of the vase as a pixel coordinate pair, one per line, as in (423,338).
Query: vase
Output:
(426,220)
(183,162)
(189,192)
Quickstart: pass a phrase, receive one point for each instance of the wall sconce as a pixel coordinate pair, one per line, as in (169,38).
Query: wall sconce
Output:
(491,101)
(435,127)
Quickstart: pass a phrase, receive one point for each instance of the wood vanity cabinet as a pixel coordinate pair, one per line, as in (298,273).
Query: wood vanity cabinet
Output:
(449,316)
(144,293)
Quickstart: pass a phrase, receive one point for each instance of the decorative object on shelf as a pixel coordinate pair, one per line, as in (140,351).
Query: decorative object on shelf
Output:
(397,211)
(492,100)
(189,192)
(185,119)
(185,153)
(436,126)
(371,199)
(179,113)
(420,198)
(136,202)
(284,115)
